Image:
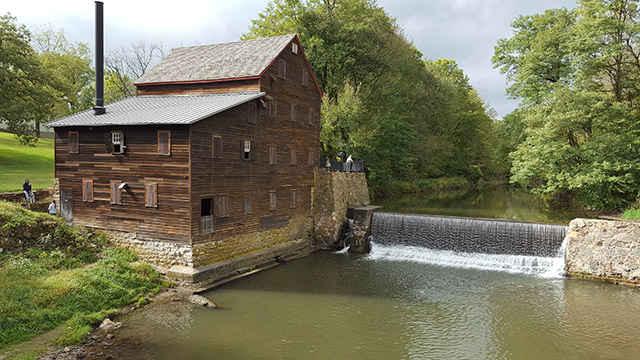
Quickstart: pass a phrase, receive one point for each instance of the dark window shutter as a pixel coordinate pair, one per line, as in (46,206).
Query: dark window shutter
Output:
(217,147)
(151,195)
(247,204)
(107,142)
(73,142)
(252,113)
(164,147)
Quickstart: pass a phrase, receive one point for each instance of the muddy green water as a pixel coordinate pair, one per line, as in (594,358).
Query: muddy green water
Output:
(341,306)
(489,201)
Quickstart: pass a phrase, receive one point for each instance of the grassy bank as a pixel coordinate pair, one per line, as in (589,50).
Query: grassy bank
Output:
(52,273)
(19,162)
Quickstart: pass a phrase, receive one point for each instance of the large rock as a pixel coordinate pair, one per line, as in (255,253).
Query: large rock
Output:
(108,325)
(202,301)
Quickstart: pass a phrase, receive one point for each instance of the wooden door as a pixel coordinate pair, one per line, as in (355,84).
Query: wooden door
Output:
(66,204)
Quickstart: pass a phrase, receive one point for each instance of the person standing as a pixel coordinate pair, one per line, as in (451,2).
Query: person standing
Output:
(349,163)
(52,208)
(28,194)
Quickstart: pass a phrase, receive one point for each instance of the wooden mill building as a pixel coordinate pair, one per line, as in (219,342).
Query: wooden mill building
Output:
(212,160)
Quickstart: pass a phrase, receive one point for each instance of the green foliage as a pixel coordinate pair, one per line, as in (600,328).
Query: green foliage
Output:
(633,214)
(577,73)
(24,95)
(37,86)
(18,163)
(407,119)
(40,289)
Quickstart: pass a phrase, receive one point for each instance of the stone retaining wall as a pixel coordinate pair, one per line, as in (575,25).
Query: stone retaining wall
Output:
(604,250)
(161,254)
(334,193)
(208,262)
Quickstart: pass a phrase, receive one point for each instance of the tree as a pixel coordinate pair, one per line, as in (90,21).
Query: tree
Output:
(581,125)
(69,71)
(128,63)
(24,83)
(380,100)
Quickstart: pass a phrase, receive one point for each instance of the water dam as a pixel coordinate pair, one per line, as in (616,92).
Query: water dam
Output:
(486,244)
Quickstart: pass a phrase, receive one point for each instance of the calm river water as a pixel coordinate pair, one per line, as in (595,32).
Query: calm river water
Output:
(489,201)
(341,306)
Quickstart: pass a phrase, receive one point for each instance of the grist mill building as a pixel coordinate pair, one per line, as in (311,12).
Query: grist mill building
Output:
(209,168)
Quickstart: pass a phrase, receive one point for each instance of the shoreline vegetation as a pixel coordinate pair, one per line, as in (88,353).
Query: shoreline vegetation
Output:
(53,274)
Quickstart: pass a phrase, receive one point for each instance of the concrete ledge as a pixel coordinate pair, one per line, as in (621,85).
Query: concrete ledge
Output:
(204,275)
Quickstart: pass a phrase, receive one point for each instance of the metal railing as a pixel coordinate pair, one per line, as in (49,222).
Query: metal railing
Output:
(341,166)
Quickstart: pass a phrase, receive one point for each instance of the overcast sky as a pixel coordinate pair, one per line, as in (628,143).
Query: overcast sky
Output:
(463,30)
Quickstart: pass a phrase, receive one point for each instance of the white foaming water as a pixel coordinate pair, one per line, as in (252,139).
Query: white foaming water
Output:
(344,250)
(547,267)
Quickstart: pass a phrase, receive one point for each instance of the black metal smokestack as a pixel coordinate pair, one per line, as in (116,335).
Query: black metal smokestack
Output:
(99,108)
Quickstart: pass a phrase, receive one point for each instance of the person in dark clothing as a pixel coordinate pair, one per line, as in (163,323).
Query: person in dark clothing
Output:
(28,194)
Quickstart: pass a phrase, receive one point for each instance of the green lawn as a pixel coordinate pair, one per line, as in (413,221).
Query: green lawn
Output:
(19,162)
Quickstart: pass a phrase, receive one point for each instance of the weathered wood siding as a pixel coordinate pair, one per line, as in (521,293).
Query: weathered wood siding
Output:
(140,164)
(202,88)
(235,177)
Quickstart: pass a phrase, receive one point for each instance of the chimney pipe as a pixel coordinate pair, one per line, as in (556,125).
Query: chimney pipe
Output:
(99,108)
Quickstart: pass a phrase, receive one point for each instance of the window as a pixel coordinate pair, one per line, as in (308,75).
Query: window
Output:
(305,77)
(282,69)
(293,112)
(312,158)
(253,110)
(273,108)
(293,198)
(164,142)
(206,215)
(312,114)
(116,192)
(87,190)
(272,155)
(115,142)
(216,147)
(247,204)
(221,206)
(246,149)
(151,195)
(294,156)
(272,200)
(294,48)
(73,142)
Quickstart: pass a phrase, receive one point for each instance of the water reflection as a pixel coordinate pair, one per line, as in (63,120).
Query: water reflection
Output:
(489,201)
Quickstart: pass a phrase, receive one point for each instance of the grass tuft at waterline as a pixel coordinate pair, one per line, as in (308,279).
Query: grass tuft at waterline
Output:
(55,273)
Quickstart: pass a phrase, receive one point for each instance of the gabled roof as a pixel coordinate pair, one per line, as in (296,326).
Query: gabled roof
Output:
(241,59)
(159,110)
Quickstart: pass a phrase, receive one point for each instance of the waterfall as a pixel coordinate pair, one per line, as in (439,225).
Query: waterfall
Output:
(346,242)
(500,245)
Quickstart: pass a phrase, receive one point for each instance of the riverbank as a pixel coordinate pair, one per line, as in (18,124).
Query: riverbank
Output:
(52,274)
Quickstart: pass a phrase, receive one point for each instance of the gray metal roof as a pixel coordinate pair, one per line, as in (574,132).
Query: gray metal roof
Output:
(239,59)
(158,109)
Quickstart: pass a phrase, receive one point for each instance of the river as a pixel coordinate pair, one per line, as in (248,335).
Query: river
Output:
(405,301)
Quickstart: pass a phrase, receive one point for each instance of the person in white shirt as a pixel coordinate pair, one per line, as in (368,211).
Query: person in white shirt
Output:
(349,163)
(52,208)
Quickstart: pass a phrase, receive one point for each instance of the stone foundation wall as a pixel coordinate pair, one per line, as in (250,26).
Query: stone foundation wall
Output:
(604,250)
(159,253)
(212,261)
(334,193)
(230,248)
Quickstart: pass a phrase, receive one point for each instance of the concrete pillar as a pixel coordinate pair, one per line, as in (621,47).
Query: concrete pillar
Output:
(360,242)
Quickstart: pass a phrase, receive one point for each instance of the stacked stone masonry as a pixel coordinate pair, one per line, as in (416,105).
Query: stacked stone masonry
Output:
(334,193)
(604,250)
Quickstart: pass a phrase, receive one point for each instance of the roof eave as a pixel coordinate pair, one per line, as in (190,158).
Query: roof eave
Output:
(198,81)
